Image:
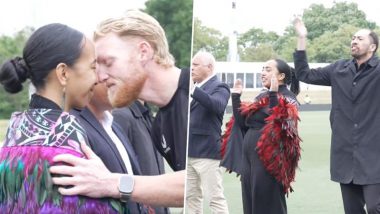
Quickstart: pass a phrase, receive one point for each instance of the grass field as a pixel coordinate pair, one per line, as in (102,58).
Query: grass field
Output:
(314,192)
(3,129)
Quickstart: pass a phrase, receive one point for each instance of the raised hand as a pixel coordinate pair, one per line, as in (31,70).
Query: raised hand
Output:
(299,27)
(273,83)
(238,87)
(301,32)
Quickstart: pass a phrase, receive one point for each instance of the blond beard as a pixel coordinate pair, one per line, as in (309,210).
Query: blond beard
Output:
(129,91)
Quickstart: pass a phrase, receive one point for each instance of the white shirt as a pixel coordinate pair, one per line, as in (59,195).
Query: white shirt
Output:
(107,125)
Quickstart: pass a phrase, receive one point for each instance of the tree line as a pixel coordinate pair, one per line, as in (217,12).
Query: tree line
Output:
(329,36)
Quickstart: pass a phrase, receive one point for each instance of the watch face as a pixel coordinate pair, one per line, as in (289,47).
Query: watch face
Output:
(126,183)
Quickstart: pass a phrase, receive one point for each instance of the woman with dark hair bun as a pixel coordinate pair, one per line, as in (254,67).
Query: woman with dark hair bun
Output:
(270,144)
(61,64)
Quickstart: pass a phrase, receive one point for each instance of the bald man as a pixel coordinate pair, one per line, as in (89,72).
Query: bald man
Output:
(209,98)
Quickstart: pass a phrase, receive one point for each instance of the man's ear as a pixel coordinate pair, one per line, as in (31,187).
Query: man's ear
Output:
(372,47)
(210,66)
(145,51)
(62,73)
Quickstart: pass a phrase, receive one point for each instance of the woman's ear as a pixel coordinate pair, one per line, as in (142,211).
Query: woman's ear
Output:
(62,73)
(281,76)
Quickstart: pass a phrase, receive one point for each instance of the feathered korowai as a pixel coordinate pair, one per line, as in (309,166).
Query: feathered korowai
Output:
(226,136)
(279,144)
(232,139)
(26,184)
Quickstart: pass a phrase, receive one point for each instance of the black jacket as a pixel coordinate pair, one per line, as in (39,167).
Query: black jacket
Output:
(206,117)
(103,146)
(354,117)
(137,125)
(135,121)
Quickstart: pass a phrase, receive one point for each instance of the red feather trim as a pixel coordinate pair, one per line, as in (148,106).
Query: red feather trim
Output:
(279,145)
(246,109)
(226,136)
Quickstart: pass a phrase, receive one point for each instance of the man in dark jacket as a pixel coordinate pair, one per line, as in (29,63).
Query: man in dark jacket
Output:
(107,139)
(209,100)
(354,117)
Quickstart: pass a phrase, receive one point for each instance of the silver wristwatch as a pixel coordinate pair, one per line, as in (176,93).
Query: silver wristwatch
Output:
(126,185)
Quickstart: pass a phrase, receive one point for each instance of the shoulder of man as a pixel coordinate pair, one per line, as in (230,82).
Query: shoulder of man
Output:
(184,79)
(126,113)
(222,84)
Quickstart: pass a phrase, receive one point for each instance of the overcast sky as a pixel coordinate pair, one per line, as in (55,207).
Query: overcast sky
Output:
(83,15)
(271,15)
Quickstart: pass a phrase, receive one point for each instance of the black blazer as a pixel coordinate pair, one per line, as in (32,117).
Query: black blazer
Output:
(206,117)
(138,129)
(104,147)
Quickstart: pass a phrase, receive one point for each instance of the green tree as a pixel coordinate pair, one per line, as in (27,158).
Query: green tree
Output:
(319,19)
(257,45)
(259,53)
(255,37)
(329,35)
(329,32)
(176,19)
(210,40)
(332,46)
(285,47)
(286,44)
(9,48)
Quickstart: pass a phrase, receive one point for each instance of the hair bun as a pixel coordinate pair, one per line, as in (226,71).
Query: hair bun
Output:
(21,67)
(13,73)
